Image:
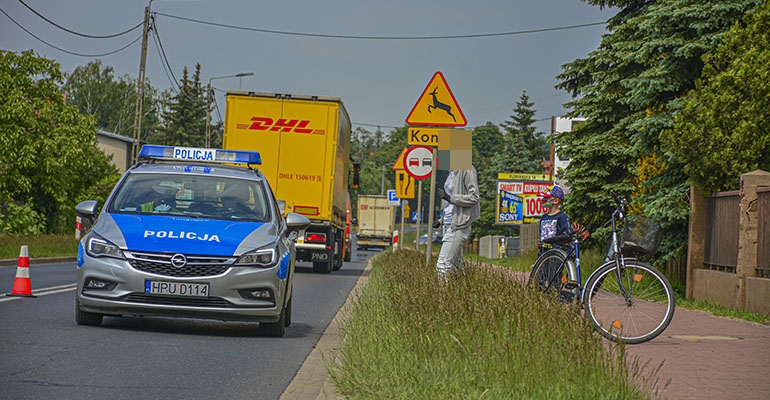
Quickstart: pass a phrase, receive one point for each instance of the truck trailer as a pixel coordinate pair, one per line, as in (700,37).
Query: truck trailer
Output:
(375,222)
(305,146)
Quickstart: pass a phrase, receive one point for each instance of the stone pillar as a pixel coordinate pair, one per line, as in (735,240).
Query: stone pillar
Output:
(747,242)
(696,247)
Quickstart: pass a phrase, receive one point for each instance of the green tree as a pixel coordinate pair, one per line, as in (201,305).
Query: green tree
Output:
(184,120)
(49,159)
(629,89)
(95,91)
(524,150)
(489,146)
(722,130)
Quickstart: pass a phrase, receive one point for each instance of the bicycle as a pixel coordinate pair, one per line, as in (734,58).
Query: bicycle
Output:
(626,300)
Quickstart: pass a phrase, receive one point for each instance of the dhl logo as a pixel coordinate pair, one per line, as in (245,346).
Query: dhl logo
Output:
(282,125)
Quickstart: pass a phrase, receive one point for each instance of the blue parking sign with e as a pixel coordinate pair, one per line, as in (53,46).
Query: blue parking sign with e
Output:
(392,196)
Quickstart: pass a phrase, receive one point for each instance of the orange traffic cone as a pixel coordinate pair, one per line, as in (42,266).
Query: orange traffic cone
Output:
(22,285)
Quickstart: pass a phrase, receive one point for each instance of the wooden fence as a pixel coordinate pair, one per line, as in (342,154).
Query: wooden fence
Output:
(724,215)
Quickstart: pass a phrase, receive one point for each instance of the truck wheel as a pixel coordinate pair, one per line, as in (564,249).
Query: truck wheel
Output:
(348,254)
(337,262)
(339,243)
(323,267)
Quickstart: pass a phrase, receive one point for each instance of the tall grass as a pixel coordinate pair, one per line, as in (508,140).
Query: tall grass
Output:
(482,335)
(39,245)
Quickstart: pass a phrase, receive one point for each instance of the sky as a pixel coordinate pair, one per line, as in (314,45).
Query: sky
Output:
(379,70)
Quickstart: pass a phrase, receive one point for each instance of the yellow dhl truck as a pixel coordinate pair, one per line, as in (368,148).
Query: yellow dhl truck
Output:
(304,142)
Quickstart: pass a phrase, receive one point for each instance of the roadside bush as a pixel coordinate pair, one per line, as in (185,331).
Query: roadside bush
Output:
(21,219)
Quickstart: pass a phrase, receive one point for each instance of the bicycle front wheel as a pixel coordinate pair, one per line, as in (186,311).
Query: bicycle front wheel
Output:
(550,273)
(641,316)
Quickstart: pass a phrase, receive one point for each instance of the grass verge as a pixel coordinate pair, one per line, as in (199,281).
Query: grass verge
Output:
(482,335)
(39,245)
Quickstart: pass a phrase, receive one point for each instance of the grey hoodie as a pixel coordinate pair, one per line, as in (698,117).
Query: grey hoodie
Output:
(465,198)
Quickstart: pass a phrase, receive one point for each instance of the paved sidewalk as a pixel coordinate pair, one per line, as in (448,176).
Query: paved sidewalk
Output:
(706,357)
(699,356)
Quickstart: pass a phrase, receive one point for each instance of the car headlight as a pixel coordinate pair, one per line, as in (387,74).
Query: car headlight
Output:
(265,257)
(97,246)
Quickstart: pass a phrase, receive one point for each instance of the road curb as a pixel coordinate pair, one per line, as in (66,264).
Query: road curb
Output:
(13,262)
(312,381)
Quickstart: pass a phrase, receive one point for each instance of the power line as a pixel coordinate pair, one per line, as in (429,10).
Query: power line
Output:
(173,83)
(324,35)
(159,44)
(67,51)
(163,59)
(77,33)
(219,113)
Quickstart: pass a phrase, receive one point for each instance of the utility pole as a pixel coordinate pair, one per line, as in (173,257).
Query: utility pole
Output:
(138,114)
(208,114)
(551,157)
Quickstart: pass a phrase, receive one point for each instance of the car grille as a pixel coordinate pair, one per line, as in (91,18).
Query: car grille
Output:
(178,301)
(197,266)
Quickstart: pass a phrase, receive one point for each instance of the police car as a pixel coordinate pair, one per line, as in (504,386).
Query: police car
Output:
(189,232)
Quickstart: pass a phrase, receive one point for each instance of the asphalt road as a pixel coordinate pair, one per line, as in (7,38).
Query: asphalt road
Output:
(44,354)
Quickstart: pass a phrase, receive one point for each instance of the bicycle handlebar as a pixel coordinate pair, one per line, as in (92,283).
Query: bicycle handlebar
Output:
(562,239)
(620,212)
(619,201)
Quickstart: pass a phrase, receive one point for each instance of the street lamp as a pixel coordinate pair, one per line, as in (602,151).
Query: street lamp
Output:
(208,102)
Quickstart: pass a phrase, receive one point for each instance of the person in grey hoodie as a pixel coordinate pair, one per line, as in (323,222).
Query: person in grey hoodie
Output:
(466,210)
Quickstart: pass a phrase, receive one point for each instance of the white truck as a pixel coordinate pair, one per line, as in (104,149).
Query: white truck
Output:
(375,222)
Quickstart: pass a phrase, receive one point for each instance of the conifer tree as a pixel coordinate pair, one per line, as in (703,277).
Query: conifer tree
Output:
(184,120)
(525,146)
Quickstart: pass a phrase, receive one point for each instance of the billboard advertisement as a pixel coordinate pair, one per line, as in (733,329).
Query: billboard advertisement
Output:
(520,191)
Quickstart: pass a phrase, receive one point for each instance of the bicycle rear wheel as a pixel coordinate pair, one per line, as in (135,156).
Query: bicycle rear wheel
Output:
(647,312)
(550,273)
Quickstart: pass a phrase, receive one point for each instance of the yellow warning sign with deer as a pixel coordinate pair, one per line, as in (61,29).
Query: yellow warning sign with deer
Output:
(436,106)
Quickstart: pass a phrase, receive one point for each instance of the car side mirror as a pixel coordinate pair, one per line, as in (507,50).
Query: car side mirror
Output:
(86,210)
(297,222)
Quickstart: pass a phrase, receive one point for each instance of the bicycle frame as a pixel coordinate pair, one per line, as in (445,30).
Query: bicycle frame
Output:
(613,256)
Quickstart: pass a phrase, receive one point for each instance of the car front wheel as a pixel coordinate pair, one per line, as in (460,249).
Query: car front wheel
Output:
(86,318)
(274,329)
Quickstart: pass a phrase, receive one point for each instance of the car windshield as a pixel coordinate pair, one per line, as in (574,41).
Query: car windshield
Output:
(192,196)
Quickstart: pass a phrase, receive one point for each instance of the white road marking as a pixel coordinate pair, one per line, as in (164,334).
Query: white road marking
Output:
(44,291)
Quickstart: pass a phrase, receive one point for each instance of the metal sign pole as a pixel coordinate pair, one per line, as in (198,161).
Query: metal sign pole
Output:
(403,217)
(431,202)
(419,215)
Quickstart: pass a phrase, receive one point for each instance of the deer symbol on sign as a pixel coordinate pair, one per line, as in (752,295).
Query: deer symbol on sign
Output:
(439,105)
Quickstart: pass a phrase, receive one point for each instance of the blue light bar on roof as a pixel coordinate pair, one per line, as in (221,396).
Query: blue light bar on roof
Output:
(200,154)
